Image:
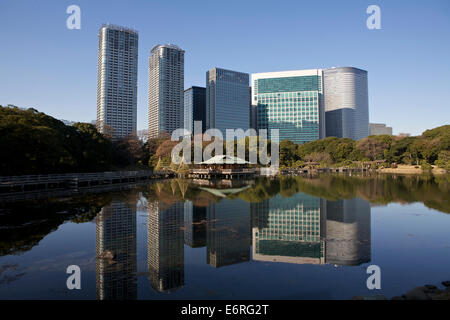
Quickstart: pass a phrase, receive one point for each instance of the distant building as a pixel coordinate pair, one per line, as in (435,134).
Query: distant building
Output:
(404,135)
(194,107)
(67,122)
(346,103)
(117,81)
(165,90)
(227,98)
(376,129)
(142,135)
(253,117)
(292,102)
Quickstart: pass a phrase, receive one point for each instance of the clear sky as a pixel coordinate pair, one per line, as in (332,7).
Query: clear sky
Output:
(53,69)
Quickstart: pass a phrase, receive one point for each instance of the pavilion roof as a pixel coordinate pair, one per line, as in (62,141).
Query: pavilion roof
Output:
(224,159)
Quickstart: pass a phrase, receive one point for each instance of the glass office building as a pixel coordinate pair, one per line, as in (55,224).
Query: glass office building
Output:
(117,81)
(194,107)
(227,100)
(292,102)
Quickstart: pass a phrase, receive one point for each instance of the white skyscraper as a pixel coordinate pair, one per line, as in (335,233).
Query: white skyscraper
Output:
(346,103)
(117,81)
(165,90)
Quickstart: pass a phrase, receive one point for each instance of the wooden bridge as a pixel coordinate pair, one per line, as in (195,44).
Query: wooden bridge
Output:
(26,183)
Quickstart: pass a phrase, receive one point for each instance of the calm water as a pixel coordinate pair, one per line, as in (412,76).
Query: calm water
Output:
(292,238)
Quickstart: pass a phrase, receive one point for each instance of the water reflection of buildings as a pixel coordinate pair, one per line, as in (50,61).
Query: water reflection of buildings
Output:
(116,263)
(289,229)
(305,229)
(348,232)
(165,243)
(194,225)
(228,233)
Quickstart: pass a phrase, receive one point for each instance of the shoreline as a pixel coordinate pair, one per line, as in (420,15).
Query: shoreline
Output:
(401,169)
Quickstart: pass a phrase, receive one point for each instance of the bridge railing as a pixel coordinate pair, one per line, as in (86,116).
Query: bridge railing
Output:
(73,176)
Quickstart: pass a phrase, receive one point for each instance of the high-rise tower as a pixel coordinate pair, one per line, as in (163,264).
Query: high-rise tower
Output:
(117,81)
(346,103)
(227,97)
(165,90)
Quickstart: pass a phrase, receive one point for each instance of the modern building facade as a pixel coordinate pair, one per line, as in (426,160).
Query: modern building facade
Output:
(117,81)
(346,103)
(292,102)
(165,90)
(379,128)
(227,97)
(194,107)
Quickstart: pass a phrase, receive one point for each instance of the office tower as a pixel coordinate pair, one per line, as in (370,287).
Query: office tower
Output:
(292,102)
(194,225)
(227,98)
(165,90)
(165,243)
(116,262)
(117,81)
(228,233)
(346,103)
(194,107)
(289,230)
(348,232)
(378,129)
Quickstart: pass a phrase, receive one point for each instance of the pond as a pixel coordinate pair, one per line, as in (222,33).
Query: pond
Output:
(280,238)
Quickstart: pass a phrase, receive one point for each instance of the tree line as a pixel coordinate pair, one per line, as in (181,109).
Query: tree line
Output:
(35,143)
(430,148)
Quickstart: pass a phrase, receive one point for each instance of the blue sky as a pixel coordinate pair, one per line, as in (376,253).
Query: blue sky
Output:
(53,69)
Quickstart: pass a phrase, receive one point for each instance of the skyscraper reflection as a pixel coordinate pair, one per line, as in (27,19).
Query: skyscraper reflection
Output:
(165,242)
(289,229)
(305,229)
(228,233)
(194,225)
(348,232)
(116,263)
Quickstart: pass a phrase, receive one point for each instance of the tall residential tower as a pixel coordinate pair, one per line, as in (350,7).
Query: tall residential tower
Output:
(165,90)
(117,81)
